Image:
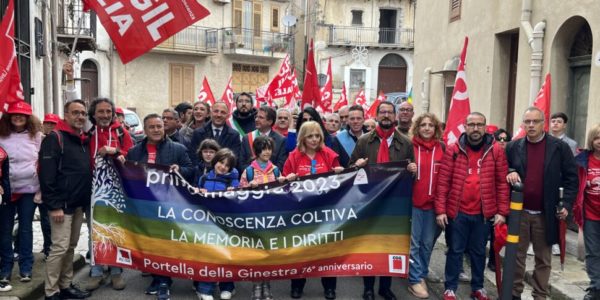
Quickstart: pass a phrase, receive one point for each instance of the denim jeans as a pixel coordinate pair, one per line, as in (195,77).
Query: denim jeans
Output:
(423,232)
(208,288)
(469,232)
(591,236)
(98,270)
(46,230)
(25,208)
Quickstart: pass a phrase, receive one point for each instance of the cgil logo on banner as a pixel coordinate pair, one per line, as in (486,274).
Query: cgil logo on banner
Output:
(397,263)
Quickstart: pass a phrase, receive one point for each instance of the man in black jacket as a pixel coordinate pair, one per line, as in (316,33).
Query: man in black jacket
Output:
(265,118)
(216,129)
(542,163)
(158,149)
(66,183)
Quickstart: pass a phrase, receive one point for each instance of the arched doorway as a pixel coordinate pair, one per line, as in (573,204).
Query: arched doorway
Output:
(89,81)
(392,74)
(571,64)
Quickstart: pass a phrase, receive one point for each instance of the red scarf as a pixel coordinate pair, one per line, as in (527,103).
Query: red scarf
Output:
(383,155)
(425,144)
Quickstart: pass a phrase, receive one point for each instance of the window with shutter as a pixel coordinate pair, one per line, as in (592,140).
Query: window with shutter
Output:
(257,18)
(275,18)
(455,10)
(237,15)
(181,85)
(357,17)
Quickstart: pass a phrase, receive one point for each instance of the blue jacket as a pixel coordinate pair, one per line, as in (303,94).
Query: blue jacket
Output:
(214,183)
(169,153)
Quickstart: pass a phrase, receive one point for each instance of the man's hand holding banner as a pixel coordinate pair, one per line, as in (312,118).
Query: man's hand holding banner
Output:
(351,224)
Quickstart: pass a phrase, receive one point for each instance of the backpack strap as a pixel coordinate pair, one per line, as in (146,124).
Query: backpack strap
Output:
(276,172)
(61,145)
(249,173)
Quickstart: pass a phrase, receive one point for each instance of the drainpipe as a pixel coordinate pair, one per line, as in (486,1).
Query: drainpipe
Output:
(425,89)
(535,38)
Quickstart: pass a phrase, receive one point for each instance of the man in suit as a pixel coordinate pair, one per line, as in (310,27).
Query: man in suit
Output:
(265,118)
(216,129)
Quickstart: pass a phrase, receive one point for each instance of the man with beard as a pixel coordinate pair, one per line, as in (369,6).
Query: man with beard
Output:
(343,113)
(384,144)
(471,192)
(405,116)
(107,138)
(244,115)
(66,183)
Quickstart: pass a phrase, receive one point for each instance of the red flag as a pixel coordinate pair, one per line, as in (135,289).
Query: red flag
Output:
(372,112)
(135,27)
(327,91)
(263,96)
(542,101)
(343,101)
(291,100)
(361,100)
(459,107)
(282,84)
(11,89)
(206,94)
(310,94)
(86,6)
(228,95)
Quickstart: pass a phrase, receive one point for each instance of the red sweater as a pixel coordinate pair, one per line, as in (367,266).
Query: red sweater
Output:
(471,204)
(533,184)
(101,137)
(428,156)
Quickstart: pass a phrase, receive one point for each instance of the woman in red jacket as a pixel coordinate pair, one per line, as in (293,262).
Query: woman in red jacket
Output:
(586,211)
(311,156)
(429,151)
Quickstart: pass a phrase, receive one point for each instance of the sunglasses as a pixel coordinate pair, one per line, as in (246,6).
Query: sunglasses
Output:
(502,139)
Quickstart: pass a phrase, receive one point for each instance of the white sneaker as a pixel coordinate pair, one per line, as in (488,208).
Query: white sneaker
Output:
(204,296)
(530,250)
(555,250)
(226,295)
(463,277)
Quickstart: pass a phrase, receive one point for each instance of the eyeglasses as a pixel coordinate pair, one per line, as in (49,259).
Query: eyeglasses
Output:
(406,110)
(386,112)
(78,113)
(502,139)
(533,122)
(473,125)
(306,119)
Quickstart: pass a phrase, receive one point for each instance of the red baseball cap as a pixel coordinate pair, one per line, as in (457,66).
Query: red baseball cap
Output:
(51,118)
(20,107)
(491,128)
(119,111)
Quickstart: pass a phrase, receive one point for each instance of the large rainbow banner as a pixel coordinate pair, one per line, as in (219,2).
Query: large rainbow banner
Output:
(356,223)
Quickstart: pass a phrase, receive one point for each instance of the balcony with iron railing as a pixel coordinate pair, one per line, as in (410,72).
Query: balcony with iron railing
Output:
(351,36)
(73,22)
(192,40)
(245,41)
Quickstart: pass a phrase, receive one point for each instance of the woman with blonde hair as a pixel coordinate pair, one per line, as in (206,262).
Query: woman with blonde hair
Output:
(429,150)
(586,211)
(311,156)
(21,137)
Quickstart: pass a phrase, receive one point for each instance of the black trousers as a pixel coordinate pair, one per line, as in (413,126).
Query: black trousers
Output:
(385,283)
(327,282)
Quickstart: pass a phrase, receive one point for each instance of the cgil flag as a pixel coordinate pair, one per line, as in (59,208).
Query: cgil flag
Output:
(372,112)
(542,101)
(343,101)
(135,27)
(361,100)
(206,94)
(327,91)
(311,94)
(459,107)
(11,89)
(282,84)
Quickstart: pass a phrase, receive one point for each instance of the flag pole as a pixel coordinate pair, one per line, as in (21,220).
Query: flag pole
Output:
(79,24)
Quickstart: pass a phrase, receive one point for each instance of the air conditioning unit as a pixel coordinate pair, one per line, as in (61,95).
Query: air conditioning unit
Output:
(222,1)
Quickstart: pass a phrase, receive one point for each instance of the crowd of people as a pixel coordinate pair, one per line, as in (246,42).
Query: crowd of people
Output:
(462,189)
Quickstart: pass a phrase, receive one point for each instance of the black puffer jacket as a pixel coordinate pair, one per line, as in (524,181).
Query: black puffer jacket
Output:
(65,170)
